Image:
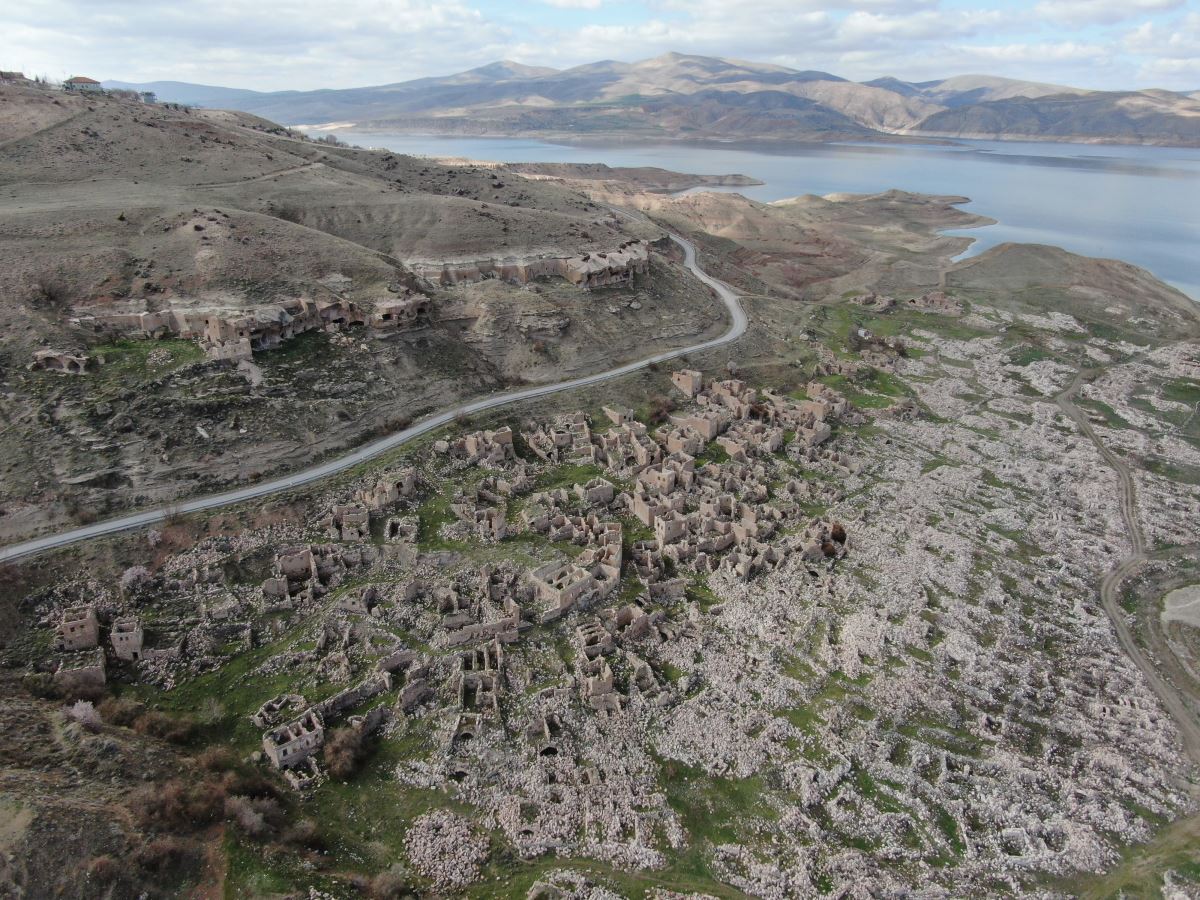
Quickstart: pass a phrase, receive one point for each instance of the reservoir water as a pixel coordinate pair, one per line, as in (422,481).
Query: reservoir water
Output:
(1138,204)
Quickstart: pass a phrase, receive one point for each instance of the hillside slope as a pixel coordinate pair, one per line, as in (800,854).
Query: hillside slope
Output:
(1133,117)
(112,211)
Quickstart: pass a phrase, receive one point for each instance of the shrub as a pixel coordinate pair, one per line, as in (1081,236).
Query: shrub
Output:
(178,804)
(250,784)
(212,710)
(344,749)
(168,728)
(70,686)
(41,684)
(289,213)
(164,854)
(389,885)
(49,292)
(85,714)
(304,834)
(101,869)
(660,408)
(80,510)
(120,710)
(217,759)
(132,579)
(257,817)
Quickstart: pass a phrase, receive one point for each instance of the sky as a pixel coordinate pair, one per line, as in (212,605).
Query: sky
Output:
(309,44)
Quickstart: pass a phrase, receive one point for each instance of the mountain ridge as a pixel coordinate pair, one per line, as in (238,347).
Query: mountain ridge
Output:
(679,96)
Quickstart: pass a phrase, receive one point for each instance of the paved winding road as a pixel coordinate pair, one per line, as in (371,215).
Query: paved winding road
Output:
(1110,586)
(737,328)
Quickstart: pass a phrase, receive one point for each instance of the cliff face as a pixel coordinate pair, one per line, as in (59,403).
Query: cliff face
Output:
(586,270)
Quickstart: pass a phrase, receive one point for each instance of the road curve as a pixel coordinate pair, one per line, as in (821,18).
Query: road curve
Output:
(737,328)
(1110,586)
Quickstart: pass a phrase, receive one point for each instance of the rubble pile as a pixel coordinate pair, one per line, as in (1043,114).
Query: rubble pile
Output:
(445,849)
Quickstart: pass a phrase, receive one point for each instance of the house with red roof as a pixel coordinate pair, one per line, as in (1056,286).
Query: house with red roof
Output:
(81,83)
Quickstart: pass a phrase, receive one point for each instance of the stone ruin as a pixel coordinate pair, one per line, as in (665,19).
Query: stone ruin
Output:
(79,629)
(931,301)
(388,491)
(596,269)
(490,449)
(705,517)
(289,745)
(65,361)
(127,637)
(236,333)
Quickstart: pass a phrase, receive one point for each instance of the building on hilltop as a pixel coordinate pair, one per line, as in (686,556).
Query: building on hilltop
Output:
(82,83)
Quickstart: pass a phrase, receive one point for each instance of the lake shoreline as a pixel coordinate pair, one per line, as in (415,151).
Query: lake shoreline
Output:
(1133,203)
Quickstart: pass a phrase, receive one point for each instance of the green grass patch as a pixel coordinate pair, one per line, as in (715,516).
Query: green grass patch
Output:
(713,453)
(1182,390)
(1172,471)
(949,829)
(714,810)
(699,592)
(568,476)
(128,360)
(935,463)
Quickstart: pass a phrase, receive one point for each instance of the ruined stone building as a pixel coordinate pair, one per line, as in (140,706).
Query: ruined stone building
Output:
(291,744)
(235,333)
(484,448)
(388,491)
(79,629)
(126,636)
(65,361)
(348,523)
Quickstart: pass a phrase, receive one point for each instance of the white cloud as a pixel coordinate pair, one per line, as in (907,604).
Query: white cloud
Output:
(278,44)
(1175,40)
(1101,12)
(271,44)
(1063,51)
(921,26)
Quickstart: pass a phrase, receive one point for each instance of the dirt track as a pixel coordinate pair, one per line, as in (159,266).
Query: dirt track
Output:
(1110,586)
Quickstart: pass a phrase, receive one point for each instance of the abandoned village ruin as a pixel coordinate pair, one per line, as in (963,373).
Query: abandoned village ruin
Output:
(235,333)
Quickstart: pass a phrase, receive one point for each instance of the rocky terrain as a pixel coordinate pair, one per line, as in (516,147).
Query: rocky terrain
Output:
(695,98)
(117,213)
(893,596)
(521,688)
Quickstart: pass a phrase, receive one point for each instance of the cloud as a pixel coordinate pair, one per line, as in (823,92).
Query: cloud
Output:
(1101,12)
(271,44)
(1179,39)
(1064,51)
(303,44)
(925,25)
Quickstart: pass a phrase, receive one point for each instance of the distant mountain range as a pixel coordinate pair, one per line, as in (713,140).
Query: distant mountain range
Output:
(680,97)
